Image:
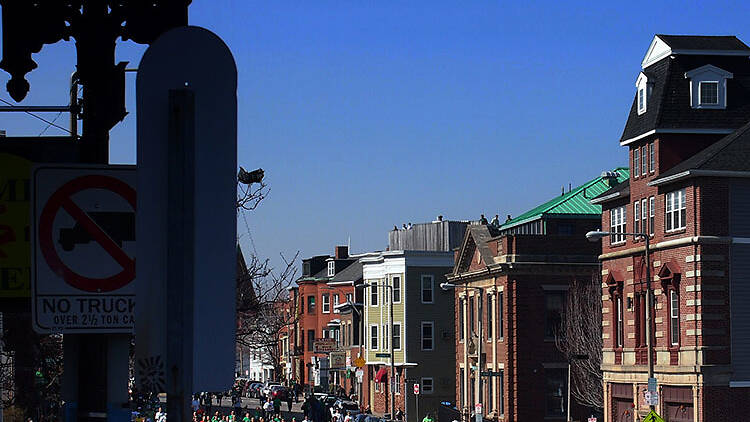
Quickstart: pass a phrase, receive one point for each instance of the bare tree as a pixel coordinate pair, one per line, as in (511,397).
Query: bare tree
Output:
(581,335)
(263,311)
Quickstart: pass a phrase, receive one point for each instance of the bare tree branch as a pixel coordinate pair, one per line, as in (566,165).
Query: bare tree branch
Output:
(581,334)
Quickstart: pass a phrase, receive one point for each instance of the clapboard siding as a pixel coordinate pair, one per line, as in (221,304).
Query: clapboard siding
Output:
(740,311)
(739,208)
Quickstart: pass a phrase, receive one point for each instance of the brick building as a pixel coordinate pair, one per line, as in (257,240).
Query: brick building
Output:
(316,301)
(689,192)
(524,268)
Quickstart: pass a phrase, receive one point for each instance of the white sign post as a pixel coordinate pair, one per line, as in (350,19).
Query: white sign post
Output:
(416,389)
(478,412)
(83,268)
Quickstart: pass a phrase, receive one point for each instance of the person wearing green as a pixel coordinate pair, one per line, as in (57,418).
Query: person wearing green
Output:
(246,418)
(428,418)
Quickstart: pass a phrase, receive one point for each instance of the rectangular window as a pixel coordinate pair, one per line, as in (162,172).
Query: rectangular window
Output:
(709,92)
(641,103)
(636,162)
(617,224)
(325,333)
(554,311)
(397,384)
(471,315)
(311,304)
(374,337)
(331,268)
(350,298)
(644,216)
(644,166)
(461,303)
(489,317)
(501,393)
(310,340)
(674,317)
(396,289)
(500,333)
(651,158)
(555,392)
(651,212)
(326,303)
(427,288)
(637,216)
(396,336)
(461,392)
(427,386)
(490,399)
(428,335)
(335,303)
(480,313)
(675,210)
(620,326)
(374,293)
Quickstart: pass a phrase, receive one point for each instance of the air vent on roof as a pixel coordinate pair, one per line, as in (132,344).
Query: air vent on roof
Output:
(610,177)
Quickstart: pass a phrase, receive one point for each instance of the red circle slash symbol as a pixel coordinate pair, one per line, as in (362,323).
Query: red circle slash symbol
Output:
(61,199)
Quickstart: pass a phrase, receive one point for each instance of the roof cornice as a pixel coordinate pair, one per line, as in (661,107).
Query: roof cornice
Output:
(698,173)
(606,198)
(691,131)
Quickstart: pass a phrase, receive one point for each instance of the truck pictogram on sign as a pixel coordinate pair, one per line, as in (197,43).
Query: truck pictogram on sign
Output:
(84,254)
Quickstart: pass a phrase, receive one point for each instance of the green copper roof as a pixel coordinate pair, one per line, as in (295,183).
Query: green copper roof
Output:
(574,202)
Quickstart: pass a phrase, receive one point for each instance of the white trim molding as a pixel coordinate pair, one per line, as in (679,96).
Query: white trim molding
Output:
(696,131)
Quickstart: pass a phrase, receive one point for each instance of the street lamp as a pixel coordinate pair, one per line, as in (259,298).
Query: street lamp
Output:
(390,344)
(448,286)
(597,235)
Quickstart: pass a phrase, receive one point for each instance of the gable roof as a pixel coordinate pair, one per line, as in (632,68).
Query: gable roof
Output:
(477,237)
(729,155)
(668,107)
(575,202)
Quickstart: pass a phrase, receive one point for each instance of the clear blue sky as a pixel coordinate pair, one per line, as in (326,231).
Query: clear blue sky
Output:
(367,115)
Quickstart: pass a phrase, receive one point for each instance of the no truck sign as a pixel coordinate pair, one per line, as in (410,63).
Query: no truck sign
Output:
(83,268)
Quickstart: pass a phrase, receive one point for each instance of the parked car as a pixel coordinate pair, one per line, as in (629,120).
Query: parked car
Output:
(279,392)
(267,388)
(344,406)
(253,388)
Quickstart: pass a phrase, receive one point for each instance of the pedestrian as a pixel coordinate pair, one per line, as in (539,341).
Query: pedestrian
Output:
(238,404)
(247,417)
(289,401)
(268,409)
(399,414)
(428,418)
(277,405)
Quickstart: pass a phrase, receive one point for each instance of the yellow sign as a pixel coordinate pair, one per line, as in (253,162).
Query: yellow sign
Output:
(15,248)
(653,417)
(359,362)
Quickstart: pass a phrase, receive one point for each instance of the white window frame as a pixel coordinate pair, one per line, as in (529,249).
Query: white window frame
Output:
(618,224)
(674,316)
(619,335)
(500,309)
(641,100)
(636,162)
(637,217)
(431,279)
(393,284)
(700,93)
(374,340)
(331,268)
(644,166)
(424,389)
(336,302)
(675,205)
(644,216)
(325,302)
(431,324)
(374,293)
(651,216)
(397,383)
(651,158)
(396,330)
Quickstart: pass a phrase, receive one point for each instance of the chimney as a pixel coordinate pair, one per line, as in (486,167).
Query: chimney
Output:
(440,218)
(342,252)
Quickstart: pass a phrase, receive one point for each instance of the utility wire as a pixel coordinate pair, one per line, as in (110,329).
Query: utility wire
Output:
(247,227)
(51,123)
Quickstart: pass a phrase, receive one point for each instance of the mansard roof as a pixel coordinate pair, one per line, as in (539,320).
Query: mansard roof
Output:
(668,105)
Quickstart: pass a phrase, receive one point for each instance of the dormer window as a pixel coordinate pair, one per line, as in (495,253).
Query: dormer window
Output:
(644,90)
(708,87)
(331,268)
(709,93)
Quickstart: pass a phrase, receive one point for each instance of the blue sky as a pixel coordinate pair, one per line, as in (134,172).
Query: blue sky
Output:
(367,115)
